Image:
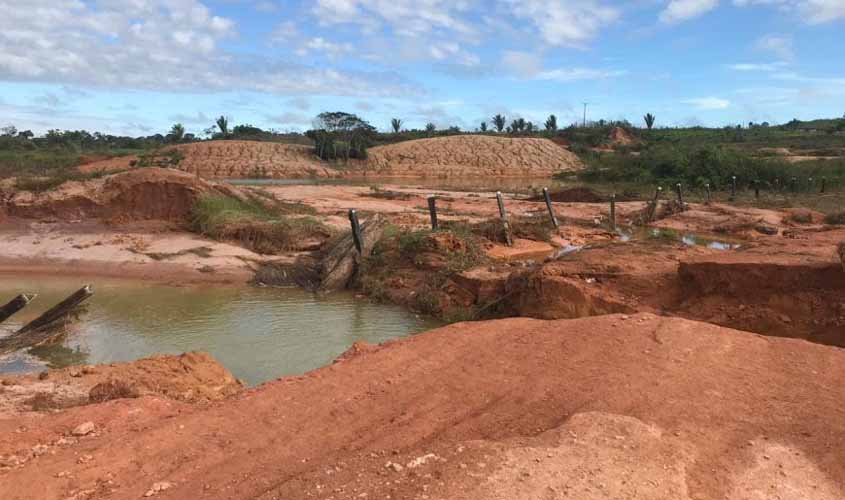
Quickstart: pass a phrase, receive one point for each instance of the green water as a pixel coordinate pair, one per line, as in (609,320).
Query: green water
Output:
(257,333)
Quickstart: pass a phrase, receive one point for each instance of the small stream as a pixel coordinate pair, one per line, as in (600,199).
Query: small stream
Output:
(257,333)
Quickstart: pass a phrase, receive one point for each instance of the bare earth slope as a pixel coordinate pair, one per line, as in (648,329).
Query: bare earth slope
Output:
(252,159)
(468,155)
(144,193)
(610,407)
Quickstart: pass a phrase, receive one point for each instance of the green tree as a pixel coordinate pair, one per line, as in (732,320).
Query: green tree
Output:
(177,133)
(518,125)
(430,128)
(483,126)
(649,120)
(499,122)
(223,125)
(346,132)
(396,123)
(551,123)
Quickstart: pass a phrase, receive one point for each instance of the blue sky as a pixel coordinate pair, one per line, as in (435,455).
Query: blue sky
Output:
(138,66)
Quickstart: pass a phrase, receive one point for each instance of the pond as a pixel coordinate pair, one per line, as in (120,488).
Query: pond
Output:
(257,333)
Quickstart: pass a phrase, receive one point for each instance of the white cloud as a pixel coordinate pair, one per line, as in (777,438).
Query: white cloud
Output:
(173,45)
(405,17)
(564,22)
(320,44)
(762,67)
(708,103)
(779,45)
(577,74)
(521,64)
(812,11)
(682,10)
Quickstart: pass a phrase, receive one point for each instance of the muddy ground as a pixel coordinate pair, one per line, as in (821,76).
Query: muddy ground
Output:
(656,369)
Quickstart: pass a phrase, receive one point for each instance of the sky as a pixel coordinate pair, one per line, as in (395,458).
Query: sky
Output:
(136,67)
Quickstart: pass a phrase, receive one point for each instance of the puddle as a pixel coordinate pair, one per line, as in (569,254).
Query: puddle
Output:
(257,333)
(690,239)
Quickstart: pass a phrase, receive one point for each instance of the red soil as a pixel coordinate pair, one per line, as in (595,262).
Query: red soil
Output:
(608,407)
(146,193)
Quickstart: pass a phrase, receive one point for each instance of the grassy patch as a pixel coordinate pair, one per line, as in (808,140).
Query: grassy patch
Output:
(252,224)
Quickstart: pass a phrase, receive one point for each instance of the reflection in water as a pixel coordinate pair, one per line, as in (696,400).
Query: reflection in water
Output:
(645,233)
(257,333)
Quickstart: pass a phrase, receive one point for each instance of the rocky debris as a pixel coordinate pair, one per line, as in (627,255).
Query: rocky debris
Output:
(469,155)
(83,429)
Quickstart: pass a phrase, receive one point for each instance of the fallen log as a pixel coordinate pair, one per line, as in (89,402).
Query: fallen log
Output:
(341,263)
(15,305)
(39,331)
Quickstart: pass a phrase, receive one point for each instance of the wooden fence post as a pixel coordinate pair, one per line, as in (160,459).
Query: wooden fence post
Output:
(503,214)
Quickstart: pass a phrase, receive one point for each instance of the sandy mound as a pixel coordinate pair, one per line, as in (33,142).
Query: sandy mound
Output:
(469,155)
(146,193)
(189,377)
(621,137)
(629,407)
(249,159)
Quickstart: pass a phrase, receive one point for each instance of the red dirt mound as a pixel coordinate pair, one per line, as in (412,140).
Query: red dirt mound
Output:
(146,193)
(621,137)
(623,407)
(190,377)
(468,155)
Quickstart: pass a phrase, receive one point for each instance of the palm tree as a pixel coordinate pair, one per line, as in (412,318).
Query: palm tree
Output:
(518,125)
(396,123)
(484,126)
(223,125)
(499,122)
(649,120)
(177,133)
(551,123)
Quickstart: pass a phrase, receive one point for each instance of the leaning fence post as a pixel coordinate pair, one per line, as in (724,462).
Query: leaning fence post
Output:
(15,305)
(613,212)
(653,206)
(432,209)
(824,184)
(733,187)
(503,214)
(680,195)
(756,190)
(356,230)
(707,188)
(549,206)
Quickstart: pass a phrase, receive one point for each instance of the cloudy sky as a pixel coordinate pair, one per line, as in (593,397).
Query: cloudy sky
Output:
(138,66)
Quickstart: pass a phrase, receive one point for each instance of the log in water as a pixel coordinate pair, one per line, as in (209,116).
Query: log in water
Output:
(15,305)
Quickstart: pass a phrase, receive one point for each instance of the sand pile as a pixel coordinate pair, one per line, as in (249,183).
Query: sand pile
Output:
(145,193)
(249,160)
(621,137)
(623,407)
(470,155)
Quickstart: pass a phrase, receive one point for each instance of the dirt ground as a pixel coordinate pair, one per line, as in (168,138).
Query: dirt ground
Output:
(626,387)
(151,250)
(623,407)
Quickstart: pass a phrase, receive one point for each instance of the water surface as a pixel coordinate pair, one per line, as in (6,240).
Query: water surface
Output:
(257,333)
